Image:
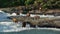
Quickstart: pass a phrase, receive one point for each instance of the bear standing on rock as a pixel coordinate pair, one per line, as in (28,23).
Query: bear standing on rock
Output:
(15,20)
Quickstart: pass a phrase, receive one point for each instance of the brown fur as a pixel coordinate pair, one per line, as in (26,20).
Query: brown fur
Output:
(28,15)
(15,20)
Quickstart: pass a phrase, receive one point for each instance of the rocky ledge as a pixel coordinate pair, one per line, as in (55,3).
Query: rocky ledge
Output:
(40,22)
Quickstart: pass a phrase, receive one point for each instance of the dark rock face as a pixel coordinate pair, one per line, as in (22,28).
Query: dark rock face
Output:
(24,24)
(31,25)
(28,22)
(47,26)
(17,13)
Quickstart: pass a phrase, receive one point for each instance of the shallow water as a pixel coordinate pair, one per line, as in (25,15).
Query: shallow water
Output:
(39,31)
(33,31)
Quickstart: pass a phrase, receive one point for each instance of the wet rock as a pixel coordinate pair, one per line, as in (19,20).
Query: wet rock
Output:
(24,24)
(31,25)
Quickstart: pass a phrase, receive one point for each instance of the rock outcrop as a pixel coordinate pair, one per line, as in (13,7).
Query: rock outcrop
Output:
(40,22)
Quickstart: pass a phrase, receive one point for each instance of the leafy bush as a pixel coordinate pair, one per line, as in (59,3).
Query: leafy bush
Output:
(42,3)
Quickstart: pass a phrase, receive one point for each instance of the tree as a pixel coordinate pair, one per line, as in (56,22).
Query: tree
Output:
(28,2)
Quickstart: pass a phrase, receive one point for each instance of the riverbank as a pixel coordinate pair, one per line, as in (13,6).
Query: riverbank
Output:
(24,10)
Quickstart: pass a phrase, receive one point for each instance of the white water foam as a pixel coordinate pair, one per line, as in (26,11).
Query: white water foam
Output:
(22,29)
(16,27)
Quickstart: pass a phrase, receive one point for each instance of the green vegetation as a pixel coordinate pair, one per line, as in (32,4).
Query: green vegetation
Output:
(51,4)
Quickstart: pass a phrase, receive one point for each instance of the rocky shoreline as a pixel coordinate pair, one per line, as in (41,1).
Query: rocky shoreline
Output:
(23,9)
(40,22)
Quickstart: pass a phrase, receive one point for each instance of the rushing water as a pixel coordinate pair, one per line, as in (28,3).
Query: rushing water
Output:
(7,26)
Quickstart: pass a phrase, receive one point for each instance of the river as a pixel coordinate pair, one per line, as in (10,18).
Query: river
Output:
(7,26)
